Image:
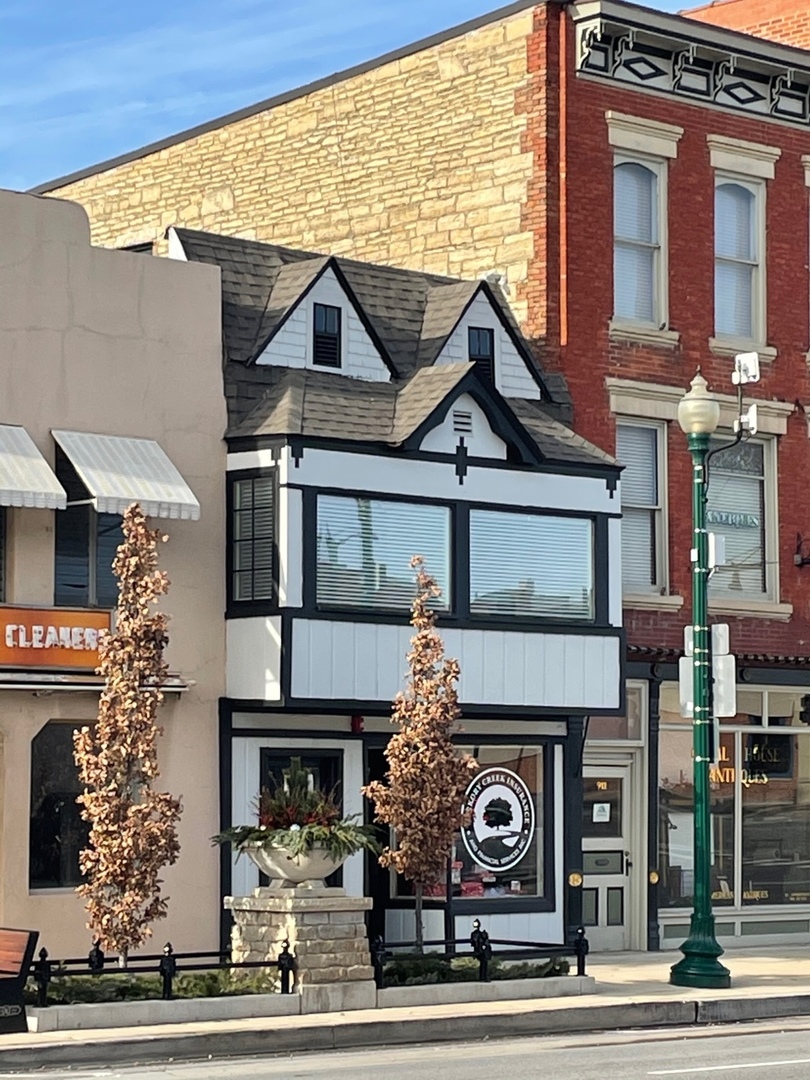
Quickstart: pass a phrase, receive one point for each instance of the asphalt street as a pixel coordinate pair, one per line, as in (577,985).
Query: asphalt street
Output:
(776,1050)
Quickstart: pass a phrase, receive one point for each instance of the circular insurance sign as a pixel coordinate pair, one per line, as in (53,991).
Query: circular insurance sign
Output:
(500,809)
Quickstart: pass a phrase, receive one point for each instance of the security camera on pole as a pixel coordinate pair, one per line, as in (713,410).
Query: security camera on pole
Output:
(707,671)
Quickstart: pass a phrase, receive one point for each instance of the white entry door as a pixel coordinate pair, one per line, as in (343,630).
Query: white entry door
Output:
(607,856)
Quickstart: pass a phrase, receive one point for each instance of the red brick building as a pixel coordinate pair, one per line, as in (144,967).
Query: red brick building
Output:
(698,139)
(666,203)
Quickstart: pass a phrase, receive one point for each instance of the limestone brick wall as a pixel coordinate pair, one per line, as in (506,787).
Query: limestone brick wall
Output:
(421,162)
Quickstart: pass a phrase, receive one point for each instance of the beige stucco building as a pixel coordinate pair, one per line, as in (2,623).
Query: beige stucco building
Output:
(110,389)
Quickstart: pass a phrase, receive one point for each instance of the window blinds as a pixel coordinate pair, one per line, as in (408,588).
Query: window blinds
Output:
(635,230)
(365,548)
(736,511)
(532,565)
(735,260)
(637,450)
(253,538)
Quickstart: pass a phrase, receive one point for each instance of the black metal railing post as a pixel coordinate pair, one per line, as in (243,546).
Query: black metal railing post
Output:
(581,949)
(42,976)
(95,958)
(482,950)
(378,961)
(168,969)
(286,968)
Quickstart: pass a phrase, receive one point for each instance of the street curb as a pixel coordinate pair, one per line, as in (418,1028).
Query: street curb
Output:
(355,1035)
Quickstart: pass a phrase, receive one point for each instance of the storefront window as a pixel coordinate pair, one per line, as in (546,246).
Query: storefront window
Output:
(676,820)
(57,832)
(500,852)
(776,819)
(760,799)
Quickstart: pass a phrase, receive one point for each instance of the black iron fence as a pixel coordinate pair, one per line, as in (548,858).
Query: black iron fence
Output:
(167,964)
(481,946)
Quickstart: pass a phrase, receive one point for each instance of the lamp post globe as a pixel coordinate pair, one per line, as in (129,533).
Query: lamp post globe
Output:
(698,411)
(698,416)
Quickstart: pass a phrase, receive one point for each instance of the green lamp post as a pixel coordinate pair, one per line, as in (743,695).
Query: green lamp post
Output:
(698,416)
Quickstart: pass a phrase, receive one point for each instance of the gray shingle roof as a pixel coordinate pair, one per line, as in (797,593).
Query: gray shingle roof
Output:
(411,315)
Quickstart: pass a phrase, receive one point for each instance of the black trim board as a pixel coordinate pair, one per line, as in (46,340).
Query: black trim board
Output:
(285,97)
(598,470)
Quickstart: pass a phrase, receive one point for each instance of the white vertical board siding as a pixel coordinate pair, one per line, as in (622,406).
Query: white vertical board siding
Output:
(532,925)
(512,377)
(480,442)
(290,547)
(245,780)
(253,647)
(292,345)
(366,662)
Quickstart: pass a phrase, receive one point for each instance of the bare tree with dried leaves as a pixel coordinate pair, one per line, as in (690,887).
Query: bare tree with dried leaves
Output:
(133,828)
(427,777)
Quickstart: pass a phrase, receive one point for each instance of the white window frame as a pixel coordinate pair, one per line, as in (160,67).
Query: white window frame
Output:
(661,585)
(759,305)
(725,602)
(660,320)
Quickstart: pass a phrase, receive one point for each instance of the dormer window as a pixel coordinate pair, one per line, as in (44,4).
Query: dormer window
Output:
(482,351)
(326,339)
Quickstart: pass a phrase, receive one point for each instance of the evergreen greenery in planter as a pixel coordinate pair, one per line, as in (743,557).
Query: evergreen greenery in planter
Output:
(297,817)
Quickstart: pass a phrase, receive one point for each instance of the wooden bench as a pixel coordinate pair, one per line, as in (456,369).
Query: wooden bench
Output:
(16,953)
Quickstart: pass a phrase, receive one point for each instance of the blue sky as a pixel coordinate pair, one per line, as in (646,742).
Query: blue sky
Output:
(85,81)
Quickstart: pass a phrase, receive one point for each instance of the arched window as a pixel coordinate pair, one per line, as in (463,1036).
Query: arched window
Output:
(736,261)
(636,244)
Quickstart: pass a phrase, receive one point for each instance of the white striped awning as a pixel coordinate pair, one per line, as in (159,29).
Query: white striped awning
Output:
(26,478)
(119,471)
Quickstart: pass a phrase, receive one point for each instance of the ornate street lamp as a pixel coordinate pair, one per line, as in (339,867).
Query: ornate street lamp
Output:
(698,416)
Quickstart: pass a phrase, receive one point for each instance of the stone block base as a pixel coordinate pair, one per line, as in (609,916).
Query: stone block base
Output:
(325,928)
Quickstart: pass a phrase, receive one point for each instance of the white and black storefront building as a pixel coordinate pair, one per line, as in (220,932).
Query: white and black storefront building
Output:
(376,414)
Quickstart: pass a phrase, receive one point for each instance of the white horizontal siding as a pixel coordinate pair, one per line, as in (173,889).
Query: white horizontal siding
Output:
(253,671)
(512,377)
(292,345)
(366,662)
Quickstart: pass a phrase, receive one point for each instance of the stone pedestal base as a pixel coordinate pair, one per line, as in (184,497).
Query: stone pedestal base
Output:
(327,935)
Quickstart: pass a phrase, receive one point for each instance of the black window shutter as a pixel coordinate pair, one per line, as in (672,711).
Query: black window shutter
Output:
(326,339)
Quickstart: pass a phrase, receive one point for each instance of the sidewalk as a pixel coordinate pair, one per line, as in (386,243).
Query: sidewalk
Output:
(632,991)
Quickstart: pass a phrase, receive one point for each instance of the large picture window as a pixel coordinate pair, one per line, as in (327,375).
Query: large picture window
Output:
(736,511)
(253,538)
(86,543)
(760,800)
(57,832)
(531,565)
(500,853)
(365,547)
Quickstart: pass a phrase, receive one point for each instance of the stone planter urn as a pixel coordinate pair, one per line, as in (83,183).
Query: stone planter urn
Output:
(288,871)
